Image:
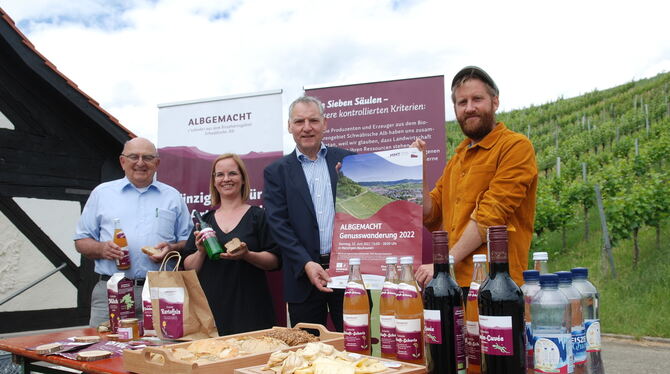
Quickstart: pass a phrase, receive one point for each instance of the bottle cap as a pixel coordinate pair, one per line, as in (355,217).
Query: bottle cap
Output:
(548,280)
(580,273)
(391,260)
(479,258)
(531,275)
(540,256)
(440,237)
(406,260)
(116,220)
(354,261)
(496,233)
(451,259)
(564,277)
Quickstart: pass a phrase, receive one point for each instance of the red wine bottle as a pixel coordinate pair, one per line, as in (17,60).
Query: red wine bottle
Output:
(443,315)
(501,312)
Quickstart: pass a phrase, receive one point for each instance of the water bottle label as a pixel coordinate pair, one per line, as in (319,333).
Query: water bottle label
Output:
(472,348)
(552,353)
(432,326)
(390,289)
(579,344)
(387,333)
(459,339)
(406,291)
(473,292)
(495,335)
(354,289)
(592,335)
(408,339)
(356,332)
(529,345)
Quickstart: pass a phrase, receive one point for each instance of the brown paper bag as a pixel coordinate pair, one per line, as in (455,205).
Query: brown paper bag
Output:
(179,306)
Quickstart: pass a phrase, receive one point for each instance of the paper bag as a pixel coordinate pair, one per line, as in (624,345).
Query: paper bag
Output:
(179,306)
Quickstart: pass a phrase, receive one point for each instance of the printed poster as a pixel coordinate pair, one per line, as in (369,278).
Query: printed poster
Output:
(386,115)
(378,213)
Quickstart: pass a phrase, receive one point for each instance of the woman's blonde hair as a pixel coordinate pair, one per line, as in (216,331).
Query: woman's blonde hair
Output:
(216,198)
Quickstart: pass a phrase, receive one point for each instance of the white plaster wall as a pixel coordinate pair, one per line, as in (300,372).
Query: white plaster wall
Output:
(21,263)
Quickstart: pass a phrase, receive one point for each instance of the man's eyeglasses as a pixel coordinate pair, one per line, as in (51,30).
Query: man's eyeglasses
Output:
(134,158)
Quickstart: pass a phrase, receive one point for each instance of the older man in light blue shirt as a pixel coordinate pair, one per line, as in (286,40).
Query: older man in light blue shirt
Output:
(151,214)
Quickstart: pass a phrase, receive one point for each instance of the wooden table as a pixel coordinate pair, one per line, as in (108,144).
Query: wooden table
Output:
(19,347)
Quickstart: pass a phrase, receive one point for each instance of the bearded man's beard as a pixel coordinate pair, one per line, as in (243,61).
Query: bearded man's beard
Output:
(480,130)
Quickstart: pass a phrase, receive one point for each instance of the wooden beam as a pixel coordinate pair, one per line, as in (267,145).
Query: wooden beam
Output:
(27,320)
(39,239)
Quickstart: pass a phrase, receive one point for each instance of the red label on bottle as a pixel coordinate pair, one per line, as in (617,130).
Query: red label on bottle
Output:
(472,348)
(473,292)
(432,323)
(389,290)
(354,289)
(459,339)
(408,339)
(125,260)
(495,335)
(387,333)
(406,291)
(356,332)
(207,233)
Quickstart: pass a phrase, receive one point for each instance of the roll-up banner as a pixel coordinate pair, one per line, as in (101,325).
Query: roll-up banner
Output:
(388,115)
(191,134)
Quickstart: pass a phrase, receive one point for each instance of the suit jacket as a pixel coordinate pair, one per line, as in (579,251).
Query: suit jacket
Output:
(292,218)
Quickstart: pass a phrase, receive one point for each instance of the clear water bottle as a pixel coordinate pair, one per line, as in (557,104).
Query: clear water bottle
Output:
(551,325)
(530,288)
(540,260)
(590,310)
(578,332)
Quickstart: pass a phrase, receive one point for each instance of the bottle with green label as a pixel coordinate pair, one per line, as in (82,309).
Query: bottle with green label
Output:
(212,245)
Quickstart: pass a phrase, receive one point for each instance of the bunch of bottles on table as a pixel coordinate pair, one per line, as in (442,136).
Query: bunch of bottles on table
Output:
(548,325)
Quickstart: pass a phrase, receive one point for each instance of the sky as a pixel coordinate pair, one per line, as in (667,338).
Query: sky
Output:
(131,55)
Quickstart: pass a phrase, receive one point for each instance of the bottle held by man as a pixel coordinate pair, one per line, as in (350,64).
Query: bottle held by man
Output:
(121,240)
(551,325)
(577,332)
(473,351)
(387,309)
(590,311)
(443,314)
(530,288)
(209,240)
(409,316)
(541,260)
(501,312)
(356,311)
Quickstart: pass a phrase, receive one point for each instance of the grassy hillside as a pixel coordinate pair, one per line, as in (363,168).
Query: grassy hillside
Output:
(620,137)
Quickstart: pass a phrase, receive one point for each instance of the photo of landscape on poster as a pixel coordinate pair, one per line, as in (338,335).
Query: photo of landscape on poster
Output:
(378,213)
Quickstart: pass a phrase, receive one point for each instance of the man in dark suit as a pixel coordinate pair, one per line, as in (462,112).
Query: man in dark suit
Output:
(299,198)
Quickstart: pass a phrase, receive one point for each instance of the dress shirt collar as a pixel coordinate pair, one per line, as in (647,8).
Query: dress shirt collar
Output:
(125,183)
(302,157)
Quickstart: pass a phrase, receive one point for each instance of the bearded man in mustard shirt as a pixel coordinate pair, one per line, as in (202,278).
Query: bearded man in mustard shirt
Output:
(491,180)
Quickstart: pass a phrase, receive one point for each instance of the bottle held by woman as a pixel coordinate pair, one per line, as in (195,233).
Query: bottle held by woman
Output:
(356,312)
(409,316)
(443,314)
(501,312)
(387,309)
(473,351)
